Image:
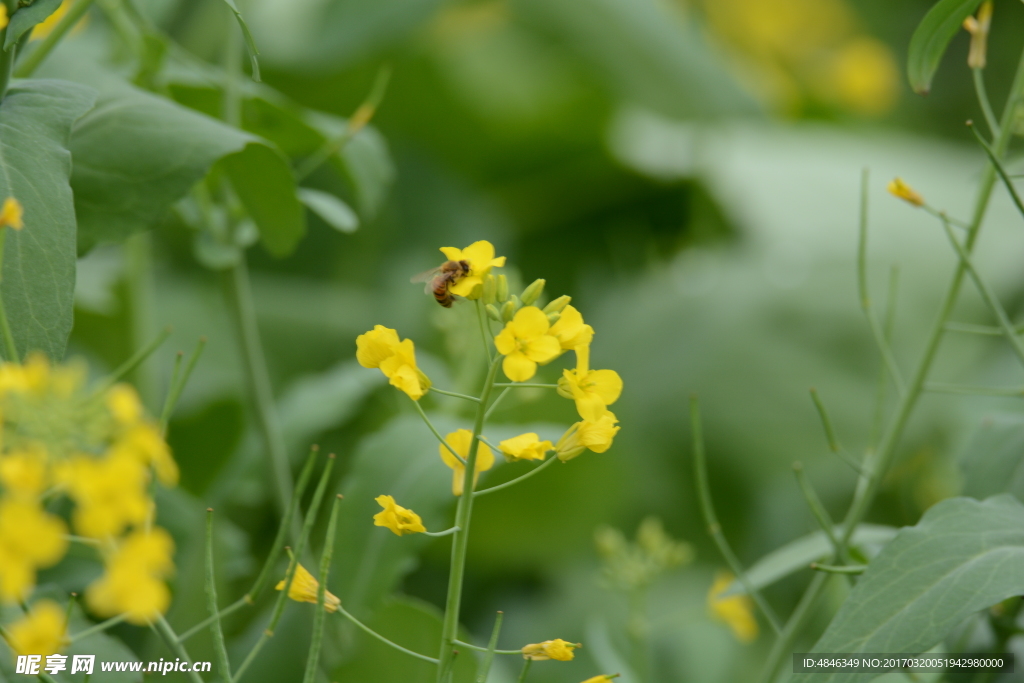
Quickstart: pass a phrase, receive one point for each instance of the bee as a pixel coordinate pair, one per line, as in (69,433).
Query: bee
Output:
(441,278)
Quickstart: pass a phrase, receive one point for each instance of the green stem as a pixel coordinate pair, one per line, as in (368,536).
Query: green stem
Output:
(440,534)
(494,404)
(436,433)
(98,628)
(711,519)
(492,645)
(465,397)
(29,64)
(526,670)
(477,648)
(313,660)
(985,330)
(463,514)
(526,385)
(842,569)
(136,359)
(986,106)
(482,318)
(138,252)
(818,510)
(782,644)
(939,388)
(345,613)
(994,159)
(170,639)
(11,351)
(513,482)
(830,434)
(230,609)
(6,64)
(881,385)
(178,383)
(220,647)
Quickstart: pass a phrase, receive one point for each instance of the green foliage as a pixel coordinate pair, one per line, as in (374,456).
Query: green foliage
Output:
(930,40)
(26,18)
(993,460)
(35,167)
(932,576)
(332,210)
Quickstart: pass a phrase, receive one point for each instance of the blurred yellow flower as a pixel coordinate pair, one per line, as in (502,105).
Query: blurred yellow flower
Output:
(41,631)
(597,435)
(12,212)
(900,189)
(133,581)
(30,538)
(525,342)
(397,518)
(593,390)
(144,443)
(460,441)
(863,76)
(736,611)
(45,27)
(109,493)
(480,256)
(570,330)
(525,447)
(24,473)
(124,404)
(304,588)
(3,17)
(381,348)
(556,649)
(602,678)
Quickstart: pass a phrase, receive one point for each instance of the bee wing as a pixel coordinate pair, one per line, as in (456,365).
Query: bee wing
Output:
(426,276)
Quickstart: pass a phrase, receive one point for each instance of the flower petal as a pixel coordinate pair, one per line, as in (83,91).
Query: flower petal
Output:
(605,383)
(543,349)
(505,342)
(465,286)
(479,254)
(530,322)
(518,367)
(452,253)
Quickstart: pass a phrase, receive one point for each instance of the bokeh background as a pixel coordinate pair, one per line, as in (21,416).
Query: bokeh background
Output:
(688,171)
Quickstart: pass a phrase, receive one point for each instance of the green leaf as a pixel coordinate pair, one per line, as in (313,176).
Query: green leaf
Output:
(332,210)
(39,261)
(26,18)
(799,554)
(963,556)
(931,38)
(322,401)
(250,44)
(993,461)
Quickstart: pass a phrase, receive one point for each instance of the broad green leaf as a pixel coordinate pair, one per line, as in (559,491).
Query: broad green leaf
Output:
(36,117)
(26,18)
(993,461)
(331,209)
(798,554)
(963,556)
(317,403)
(413,624)
(931,38)
(250,44)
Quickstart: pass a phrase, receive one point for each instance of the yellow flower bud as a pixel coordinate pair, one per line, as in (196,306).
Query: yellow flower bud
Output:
(602,678)
(737,611)
(525,447)
(490,289)
(556,305)
(533,292)
(898,188)
(501,288)
(397,518)
(493,313)
(304,589)
(979,28)
(507,311)
(12,211)
(557,649)
(3,16)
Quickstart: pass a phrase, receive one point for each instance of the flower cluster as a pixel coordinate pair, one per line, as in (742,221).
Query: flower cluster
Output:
(98,448)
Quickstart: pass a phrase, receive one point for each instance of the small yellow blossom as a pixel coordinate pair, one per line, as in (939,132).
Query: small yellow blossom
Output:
(979,28)
(480,256)
(597,435)
(381,348)
(525,342)
(556,649)
(525,447)
(133,582)
(109,493)
(460,441)
(12,211)
(304,588)
(397,518)
(24,473)
(3,17)
(124,404)
(41,631)
(593,390)
(900,189)
(30,538)
(602,678)
(736,611)
(570,330)
(863,76)
(144,443)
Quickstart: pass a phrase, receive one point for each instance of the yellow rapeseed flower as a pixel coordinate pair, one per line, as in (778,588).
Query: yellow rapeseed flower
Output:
(397,518)
(900,189)
(593,390)
(25,472)
(602,678)
(381,348)
(480,256)
(144,443)
(30,538)
(570,330)
(304,588)
(133,582)
(556,649)
(124,404)
(736,611)
(863,76)
(109,493)
(525,447)
(525,342)
(11,213)
(3,17)
(597,435)
(460,441)
(41,631)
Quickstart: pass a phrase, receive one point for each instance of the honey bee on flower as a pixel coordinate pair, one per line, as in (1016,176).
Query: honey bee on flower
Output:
(462,275)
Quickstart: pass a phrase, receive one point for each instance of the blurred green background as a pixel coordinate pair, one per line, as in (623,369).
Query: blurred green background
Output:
(688,172)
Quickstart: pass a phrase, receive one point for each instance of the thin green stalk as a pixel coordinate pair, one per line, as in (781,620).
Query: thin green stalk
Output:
(711,519)
(98,628)
(313,660)
(178,383)
(983,101)
(175,373)
(345,613)
(5,634)
(307,526)
(526,385)
(495,402)
(482,318)
(826,423)
(985,330)
(796,620)
(513,482)
(141,289)
(940,388)
(465,397)
(463,514)
(882,385)
(10,350)
(220,647)
(492,645)
(477,648)
(839,569)
(994,160)
(133,362)
(865,296)
(818,510)
(436,433)
(166,633)
(6,64)
(526,670)
(230,609)
(441,534)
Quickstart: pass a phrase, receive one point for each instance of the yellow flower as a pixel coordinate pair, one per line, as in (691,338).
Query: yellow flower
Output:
(381,348)
(593,390)
(133,582)
(525,447)
(978,28)
(109,493)
(43,28)
(124,404)
(460,441)
(525,342)
(12,211)
(30,538)
(602,678)
(480,256)
(397,518)
(864,77)
(557,649)
(304,589)
(597,435)
(736,611)
(900,189)
(3,17)
(41,631)
(25,473)
(570,330)
(144,443)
